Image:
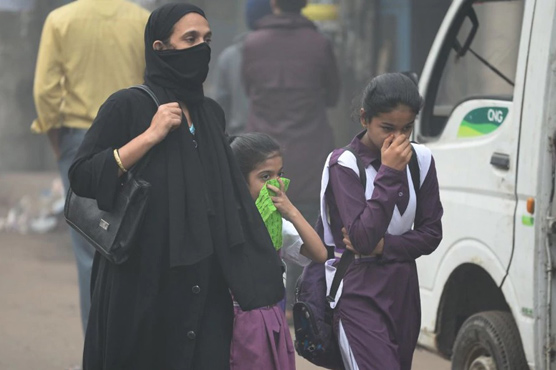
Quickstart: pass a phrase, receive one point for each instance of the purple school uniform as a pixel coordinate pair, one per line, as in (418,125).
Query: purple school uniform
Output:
(261,337)
(379,312)
(263,340)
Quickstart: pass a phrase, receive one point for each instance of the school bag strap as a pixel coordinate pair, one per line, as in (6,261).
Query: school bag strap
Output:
(347,256)
(414,170)
(341,269)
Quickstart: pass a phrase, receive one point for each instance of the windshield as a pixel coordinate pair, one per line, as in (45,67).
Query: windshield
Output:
(497,42)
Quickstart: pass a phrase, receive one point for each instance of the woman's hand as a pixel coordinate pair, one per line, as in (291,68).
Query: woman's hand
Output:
(376,252)
(282,202)
(396,152)
(167,118)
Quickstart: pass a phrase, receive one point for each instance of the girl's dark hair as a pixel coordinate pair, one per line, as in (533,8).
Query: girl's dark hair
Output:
(252,149)
(387,91)
(291,6)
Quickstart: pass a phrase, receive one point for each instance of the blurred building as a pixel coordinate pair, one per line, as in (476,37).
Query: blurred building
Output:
(370,37)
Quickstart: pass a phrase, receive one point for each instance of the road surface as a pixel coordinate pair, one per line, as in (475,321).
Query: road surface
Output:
(39,313)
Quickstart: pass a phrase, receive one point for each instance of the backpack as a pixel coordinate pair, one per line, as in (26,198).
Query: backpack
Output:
(312,315)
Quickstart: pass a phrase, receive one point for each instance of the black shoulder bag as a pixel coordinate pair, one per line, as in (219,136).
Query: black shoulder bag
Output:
(113,234)
(312,315)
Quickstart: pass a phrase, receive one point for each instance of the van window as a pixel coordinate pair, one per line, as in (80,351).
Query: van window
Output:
(457,78)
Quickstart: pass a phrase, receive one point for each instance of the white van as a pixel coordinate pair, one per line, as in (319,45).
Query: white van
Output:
(490,120)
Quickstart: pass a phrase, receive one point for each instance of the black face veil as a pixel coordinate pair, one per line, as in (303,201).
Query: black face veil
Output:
(180,72)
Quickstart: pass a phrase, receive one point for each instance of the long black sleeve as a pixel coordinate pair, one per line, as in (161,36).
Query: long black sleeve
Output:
(94,172)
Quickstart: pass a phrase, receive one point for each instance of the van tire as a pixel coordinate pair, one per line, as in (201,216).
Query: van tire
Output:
(489,340)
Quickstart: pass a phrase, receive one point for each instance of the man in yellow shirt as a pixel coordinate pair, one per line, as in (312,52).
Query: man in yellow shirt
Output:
(88,50)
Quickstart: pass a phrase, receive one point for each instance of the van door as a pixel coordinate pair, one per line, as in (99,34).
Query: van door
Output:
(471,121)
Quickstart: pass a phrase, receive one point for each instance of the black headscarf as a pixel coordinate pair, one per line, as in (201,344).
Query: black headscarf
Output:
(210,207)
(186,85)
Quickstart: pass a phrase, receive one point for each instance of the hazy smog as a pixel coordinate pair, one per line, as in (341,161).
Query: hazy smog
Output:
(42,315)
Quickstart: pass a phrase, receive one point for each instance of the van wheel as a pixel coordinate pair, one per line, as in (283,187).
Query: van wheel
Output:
(489,341)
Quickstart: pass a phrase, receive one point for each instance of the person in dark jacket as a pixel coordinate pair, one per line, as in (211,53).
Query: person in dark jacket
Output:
(169,306)
(291,77)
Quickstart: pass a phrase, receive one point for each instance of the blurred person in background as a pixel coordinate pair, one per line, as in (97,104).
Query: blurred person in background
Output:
(291,77)
(228,88)
(88,50)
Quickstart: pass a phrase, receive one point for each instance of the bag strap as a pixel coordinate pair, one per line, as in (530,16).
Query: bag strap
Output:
(347,256)
(341,269)
(138,168)
(414,170)
(148,90)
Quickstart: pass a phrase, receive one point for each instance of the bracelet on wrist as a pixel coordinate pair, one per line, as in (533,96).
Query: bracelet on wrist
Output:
(119,160)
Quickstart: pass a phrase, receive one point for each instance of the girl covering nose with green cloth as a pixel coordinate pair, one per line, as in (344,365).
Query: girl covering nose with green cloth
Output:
(261,337)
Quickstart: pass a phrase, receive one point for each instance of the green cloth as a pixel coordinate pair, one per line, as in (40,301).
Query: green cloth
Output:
(271,217)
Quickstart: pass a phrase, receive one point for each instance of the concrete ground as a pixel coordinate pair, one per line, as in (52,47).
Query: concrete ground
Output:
(39,313)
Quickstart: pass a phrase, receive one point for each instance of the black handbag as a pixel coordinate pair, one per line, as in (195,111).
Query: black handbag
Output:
(113,234)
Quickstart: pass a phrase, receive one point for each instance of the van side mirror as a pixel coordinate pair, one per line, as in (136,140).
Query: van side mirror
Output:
(462,50)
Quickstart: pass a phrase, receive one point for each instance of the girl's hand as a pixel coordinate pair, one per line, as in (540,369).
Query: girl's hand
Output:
(282,202)
(347,241)
(376,252)
(166,119)
(396,152)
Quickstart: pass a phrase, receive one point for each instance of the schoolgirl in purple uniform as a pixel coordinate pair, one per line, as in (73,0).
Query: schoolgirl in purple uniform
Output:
(387,225)
(261,337)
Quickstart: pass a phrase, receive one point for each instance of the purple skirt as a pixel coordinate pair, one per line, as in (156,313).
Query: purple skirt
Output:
(261,340)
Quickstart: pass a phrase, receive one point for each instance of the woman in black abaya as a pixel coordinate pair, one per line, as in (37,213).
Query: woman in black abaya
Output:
(168,306)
